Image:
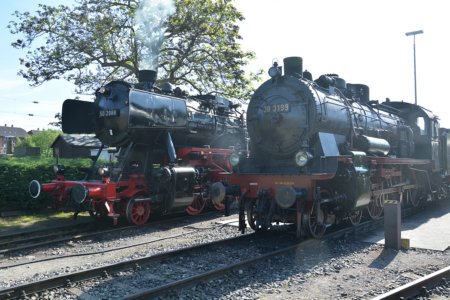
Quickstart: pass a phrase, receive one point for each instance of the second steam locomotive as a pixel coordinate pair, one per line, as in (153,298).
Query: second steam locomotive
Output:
(322,152)
(171,149)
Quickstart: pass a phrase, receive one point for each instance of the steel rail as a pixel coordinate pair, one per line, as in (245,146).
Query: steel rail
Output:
(76,236)
(61,281)
(80,233)
(419,286)
(206,276)
(36,234)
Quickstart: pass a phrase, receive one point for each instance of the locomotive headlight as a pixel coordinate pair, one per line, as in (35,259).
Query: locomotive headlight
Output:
(58,169)
(234,159)
(274,71)
(104,91)
(302,157)
(102,171)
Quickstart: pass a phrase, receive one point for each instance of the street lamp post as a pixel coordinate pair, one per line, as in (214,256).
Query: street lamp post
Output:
(414,33)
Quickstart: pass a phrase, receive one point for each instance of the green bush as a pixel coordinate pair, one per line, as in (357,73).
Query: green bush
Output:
(42,139)
(16,174)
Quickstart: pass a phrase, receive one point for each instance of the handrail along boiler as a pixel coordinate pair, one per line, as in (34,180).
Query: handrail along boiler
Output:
(171,149)
(321,152)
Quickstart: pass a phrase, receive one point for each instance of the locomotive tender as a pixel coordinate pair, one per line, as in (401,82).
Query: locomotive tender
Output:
(322,152)
(171,149)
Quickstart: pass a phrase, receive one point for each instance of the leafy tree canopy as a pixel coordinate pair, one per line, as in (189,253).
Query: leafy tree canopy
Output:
(96,41)
(58,121)
(42,139)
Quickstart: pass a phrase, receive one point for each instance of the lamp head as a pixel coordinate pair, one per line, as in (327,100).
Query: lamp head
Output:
(414,32)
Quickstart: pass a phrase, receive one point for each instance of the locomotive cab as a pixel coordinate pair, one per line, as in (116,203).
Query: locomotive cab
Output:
(425,127)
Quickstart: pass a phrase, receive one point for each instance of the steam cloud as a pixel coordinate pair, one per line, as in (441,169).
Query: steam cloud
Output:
(150,17)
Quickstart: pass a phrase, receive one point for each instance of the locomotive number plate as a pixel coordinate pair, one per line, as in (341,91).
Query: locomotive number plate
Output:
(109,113)
(277,108)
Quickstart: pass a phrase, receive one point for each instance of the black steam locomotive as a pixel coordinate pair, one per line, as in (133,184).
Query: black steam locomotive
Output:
(171,149)
(322,152)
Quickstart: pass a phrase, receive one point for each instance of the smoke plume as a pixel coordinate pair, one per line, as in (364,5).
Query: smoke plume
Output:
(150,28)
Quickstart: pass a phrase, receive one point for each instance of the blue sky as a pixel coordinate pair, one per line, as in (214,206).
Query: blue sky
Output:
(362,41)
(16,96)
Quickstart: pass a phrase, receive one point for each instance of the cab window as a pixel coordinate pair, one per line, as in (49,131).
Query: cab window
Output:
(420,122)
(435,125)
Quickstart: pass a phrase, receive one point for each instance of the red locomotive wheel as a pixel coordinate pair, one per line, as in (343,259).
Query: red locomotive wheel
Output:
(137,212)
(219,206)
(197,206)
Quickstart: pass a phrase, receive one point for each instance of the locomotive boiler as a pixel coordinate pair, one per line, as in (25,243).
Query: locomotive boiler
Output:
(122,113)
(170,150)
(322,152)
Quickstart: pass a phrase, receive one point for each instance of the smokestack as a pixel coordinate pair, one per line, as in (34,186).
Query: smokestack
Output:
(147,79)
(147,76)
(293,66)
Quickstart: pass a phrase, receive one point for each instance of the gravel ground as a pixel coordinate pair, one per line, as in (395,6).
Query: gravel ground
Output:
(80,253)
(340,269)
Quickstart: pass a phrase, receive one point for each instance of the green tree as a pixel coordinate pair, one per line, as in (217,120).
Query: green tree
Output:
(96,41)
(42,139)
(58,121)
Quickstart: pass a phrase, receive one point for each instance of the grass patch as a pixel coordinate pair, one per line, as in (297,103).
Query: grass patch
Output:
(29,220)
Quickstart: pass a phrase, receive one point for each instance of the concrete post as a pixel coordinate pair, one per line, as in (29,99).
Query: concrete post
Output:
(392,224)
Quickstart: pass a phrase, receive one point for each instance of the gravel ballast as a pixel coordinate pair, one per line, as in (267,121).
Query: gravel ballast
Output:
(336,269)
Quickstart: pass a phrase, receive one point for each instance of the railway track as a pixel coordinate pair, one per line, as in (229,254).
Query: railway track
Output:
(106,277)
(144,265)
(76,284)
(36,238)
(11,243)
(419,287)
(208,275)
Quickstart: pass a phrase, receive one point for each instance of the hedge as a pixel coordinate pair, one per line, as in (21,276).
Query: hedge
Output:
(16,174)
